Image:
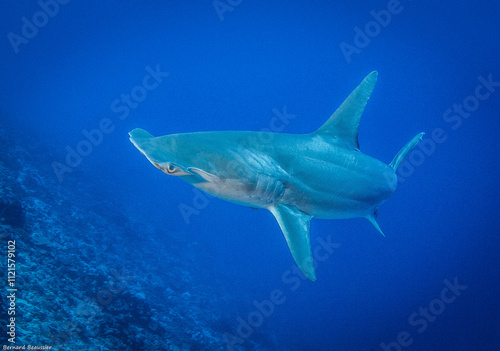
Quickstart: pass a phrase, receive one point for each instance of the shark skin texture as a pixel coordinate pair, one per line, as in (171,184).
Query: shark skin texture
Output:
(296,177)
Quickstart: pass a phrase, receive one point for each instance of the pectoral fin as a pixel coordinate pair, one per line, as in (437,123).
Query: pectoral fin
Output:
(295,226)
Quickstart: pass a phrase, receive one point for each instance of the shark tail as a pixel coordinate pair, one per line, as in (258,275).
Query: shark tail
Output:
(402,155)
(373,220)
(398,160)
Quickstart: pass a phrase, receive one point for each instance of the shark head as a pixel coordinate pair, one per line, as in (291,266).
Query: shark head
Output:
(172,155)
(196,159)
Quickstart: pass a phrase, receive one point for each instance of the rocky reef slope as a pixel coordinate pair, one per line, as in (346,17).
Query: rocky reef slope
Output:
(84,282)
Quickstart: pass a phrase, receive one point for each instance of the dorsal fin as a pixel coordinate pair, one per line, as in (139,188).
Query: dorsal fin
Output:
(344,122)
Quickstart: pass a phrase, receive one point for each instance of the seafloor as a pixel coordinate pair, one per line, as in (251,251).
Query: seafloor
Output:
(84,282)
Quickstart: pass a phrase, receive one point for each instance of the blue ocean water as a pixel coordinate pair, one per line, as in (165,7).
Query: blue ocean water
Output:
(107,258)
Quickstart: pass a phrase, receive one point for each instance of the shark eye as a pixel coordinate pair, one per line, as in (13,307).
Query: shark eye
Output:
(171,168)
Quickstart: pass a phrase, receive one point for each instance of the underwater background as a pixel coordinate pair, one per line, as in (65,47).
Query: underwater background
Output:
(106,256)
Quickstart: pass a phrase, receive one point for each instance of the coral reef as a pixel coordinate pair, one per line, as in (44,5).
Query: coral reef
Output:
(12,213)
(83,285)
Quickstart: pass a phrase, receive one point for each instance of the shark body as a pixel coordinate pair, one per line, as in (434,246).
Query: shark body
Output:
(296,177)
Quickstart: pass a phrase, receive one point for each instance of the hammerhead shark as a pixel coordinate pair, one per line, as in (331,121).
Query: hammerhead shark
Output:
(296,177)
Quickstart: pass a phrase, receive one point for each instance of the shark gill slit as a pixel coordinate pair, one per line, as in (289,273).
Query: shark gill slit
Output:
(269,188)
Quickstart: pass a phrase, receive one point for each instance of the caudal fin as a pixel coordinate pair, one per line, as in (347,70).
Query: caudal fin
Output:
(398,160)
(402,155)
